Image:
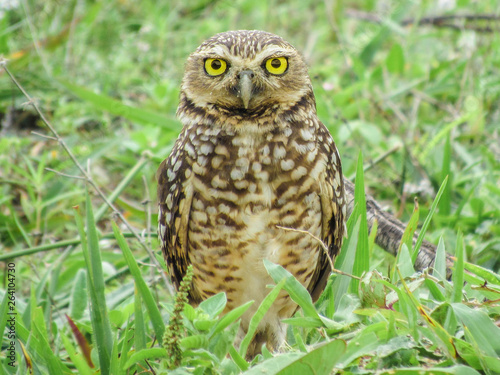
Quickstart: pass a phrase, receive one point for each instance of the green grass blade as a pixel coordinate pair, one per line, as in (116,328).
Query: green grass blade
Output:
(362,257)
(458,272)
(341,282)
(488,275)
(95,284)
(125,349)
(115,107)
(139,324)
(404,263)
(53,246)
(76,358)
(440,261)
(78,295)
(238,359)
(151,306)
(372,236)
(445,203)
(410,229)
(445,340)
(54,364)
(430,145)
(428,219)
(4,315)
(230,318)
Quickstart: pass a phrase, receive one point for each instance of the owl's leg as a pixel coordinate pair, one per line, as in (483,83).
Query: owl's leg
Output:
(271,335)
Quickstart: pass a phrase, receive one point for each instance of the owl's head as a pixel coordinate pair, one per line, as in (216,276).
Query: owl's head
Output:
(243,72)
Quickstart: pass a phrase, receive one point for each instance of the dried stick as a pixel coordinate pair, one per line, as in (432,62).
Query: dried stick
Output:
(445,21)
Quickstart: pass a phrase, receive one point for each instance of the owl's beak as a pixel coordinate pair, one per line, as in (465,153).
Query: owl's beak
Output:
(245,86)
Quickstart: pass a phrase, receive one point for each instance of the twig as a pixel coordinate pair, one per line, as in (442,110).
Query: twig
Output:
(44,136)
(87,176)
(325,250)
(65,174)
(445,21)
(439,20)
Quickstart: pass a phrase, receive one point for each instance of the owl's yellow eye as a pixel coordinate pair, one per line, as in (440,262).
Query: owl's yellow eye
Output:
(277,65)
(215,67)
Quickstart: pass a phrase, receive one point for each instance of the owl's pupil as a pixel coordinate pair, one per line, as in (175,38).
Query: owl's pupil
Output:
(216,65)
(275,63)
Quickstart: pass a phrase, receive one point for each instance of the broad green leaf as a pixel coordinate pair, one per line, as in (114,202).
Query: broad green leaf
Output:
(296,290)
(364,343)
(456,370)
(194,342)
(484,331)
(144,354)
(214,305)
(320,360)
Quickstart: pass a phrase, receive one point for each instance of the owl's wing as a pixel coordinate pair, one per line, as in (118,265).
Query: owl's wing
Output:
(333,208)
(174,204)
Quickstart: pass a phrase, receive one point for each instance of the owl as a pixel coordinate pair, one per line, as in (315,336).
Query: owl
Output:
(252,157)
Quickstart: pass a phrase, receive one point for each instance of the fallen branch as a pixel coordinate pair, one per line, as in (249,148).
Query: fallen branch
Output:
(453,21)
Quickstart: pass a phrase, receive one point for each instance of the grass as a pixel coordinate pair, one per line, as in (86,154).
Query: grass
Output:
(88,295)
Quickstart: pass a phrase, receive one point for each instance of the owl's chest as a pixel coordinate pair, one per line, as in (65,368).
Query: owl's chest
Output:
(256,169)
(248,184)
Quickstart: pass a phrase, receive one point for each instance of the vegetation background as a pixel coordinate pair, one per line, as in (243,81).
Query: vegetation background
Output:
(413,85)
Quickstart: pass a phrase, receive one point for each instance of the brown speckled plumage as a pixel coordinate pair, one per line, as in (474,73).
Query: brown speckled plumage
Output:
(236,173)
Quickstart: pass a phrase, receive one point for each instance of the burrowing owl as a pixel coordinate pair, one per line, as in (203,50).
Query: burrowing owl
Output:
(252,155)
